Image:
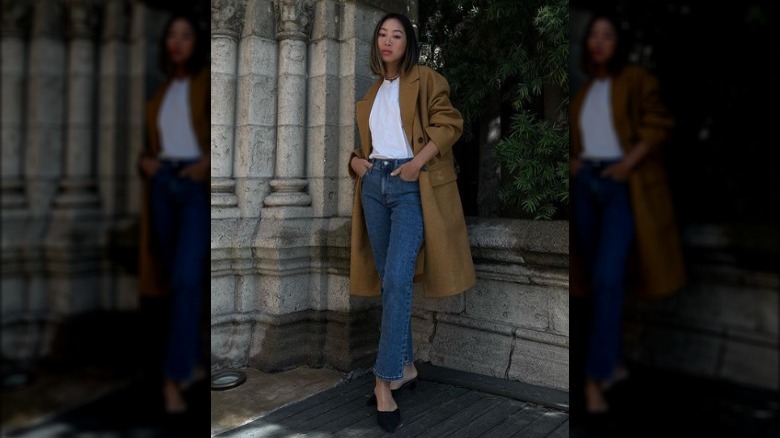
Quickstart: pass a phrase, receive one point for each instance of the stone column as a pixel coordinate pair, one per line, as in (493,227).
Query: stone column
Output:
(77,188)
(74,240)
(13,53)
(289,183)
(225,27)
(45,106)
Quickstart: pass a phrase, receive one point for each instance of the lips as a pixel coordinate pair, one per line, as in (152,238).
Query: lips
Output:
(387,52)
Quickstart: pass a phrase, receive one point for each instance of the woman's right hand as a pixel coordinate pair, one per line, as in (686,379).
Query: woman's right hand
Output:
(150,166)
(360,165)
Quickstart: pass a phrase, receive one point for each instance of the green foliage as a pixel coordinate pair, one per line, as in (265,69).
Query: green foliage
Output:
(519,49)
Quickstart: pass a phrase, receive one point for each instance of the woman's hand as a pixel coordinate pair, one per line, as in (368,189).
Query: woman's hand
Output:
(409,171)
(618,171)
(198,171)
(360,165)
(150,166)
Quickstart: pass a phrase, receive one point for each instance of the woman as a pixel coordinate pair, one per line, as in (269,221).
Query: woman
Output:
(406,214)
(621,205)
(176,217)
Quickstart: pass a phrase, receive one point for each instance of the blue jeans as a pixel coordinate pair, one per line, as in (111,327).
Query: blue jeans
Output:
(395,228)
(181,220)
(605,233)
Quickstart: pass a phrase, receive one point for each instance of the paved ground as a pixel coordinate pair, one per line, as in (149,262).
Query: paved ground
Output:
(440,407)
(447,403)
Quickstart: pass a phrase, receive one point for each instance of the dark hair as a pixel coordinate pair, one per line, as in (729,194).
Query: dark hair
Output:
(619,58)
(412,53)
(199,56)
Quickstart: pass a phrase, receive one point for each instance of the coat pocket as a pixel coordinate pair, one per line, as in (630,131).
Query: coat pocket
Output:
(442,173)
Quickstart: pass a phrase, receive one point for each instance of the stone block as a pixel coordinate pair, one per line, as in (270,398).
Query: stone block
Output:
(250,193)
(254,152)
(326,21)
(558,306)
(324,192)
(256,100)
(453,304)
(518,305)
(324,58)
(323,102)
(753,365)
(324,157)
(292,57)
(471,350)
(259,19)
(223,56)
(47,56)
(540,364)
(247,293)
(223,293)
(257,56)
(223,98)
(221,151)
(230,342)
(13,299)
(423,329)
(346,194)
(285,344)
(680,351)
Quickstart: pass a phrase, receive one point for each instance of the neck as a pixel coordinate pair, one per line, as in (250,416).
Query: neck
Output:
(391,71)
(179,71)
(601,71)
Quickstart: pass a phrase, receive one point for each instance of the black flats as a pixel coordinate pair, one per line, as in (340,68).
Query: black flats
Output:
(411,384)
(389,421)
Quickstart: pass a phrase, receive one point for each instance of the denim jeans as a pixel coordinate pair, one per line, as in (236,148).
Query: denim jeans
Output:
(395,228)
(605,233)
(182,230)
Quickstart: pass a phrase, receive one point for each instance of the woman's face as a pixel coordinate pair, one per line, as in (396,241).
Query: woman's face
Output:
(602,40)
(391,41)
(180,41)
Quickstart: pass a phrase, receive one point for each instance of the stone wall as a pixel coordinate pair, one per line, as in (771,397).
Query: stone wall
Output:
(75,75)
(724,323)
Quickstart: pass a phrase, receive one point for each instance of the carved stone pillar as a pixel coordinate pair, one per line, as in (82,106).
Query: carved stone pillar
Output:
(12,51)
(75,240)
(78,188)
(225,28)
(289,183)
(45,106)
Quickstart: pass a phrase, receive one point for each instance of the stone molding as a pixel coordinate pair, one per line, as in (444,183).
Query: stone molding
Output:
(294,19)
(226,18)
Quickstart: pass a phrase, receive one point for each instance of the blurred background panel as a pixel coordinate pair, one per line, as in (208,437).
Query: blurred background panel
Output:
(710,351)
(75,78)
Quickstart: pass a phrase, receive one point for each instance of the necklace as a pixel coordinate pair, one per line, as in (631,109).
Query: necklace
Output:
(393,78)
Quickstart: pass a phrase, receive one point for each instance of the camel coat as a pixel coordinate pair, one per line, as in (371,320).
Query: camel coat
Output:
(444,264)
(150,282)
(656,265)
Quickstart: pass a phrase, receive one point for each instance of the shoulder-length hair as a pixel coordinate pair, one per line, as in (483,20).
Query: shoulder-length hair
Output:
(619,58)
(412,54)
(199,57)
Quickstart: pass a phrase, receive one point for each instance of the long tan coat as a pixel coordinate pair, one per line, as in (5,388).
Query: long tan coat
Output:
(444,264)
(656,267)
(150,282)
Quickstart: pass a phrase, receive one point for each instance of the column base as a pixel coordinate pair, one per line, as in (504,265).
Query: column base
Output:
(288,192)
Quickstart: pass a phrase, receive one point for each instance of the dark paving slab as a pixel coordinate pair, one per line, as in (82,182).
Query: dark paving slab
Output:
(444,404)
(135,410)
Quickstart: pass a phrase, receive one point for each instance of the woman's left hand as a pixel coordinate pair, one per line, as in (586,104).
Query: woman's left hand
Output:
(408,171)
(618,171)
(198,171)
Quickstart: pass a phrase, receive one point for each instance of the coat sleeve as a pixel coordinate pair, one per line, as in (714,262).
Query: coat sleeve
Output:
(655,121)
(445,123)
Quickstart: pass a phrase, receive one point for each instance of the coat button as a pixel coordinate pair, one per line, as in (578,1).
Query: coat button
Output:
(419,139)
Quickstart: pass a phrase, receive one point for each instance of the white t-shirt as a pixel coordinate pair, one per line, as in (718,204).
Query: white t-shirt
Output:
(177,135)
(597,127)
(387,132)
